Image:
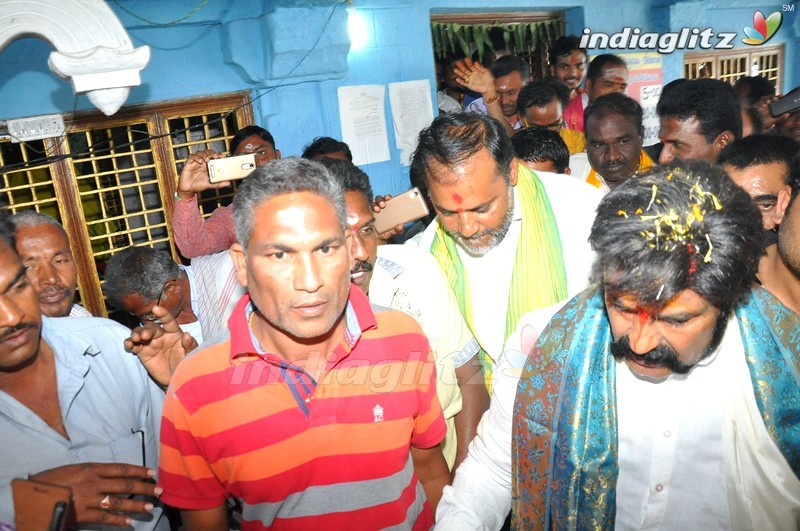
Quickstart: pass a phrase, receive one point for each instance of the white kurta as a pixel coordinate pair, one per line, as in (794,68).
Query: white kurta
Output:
(693,451)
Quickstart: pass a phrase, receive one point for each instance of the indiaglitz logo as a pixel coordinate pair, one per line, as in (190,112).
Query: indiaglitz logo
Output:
(763,28)
(665,43)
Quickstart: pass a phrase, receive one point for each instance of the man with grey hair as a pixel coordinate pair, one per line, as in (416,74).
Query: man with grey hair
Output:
(43,246)
(347,432)
(200,297)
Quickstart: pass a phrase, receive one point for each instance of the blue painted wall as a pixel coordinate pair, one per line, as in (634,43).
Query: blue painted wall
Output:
(293,54)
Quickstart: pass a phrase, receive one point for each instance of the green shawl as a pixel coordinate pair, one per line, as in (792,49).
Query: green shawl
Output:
(538,279)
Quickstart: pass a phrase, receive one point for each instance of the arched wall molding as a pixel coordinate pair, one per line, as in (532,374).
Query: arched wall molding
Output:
(93,50)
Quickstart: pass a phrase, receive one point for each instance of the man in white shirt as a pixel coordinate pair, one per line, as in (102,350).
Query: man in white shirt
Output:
(75,410)
(648,401)
(508,240)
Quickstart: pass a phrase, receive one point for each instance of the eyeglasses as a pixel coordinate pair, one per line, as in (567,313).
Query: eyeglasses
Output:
(150,316)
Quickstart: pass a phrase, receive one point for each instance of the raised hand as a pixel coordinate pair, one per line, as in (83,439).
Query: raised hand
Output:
(160,347)
(474,76)
(194,176)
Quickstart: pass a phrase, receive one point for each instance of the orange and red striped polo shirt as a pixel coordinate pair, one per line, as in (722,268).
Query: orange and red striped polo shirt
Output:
(300,454)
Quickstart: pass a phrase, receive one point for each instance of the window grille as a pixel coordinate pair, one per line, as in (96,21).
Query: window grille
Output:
(111,180)
(766,61)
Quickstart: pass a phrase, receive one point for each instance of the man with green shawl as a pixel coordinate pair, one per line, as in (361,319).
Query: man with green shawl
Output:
(508,240)
(667,395)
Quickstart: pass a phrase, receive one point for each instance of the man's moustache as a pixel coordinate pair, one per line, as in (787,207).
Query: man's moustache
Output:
(52,290)
(661,355)
(7,332)
(361,266)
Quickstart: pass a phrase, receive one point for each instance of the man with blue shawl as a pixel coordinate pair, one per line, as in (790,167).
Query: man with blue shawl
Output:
(665,396)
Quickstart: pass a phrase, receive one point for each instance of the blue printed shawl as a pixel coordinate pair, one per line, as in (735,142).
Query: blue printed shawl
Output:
(564,449)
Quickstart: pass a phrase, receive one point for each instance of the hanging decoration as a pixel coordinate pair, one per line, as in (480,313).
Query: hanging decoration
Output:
(465,39)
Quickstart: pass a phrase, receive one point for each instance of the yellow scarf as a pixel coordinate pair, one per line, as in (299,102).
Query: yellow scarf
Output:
(538,280)
(645,163)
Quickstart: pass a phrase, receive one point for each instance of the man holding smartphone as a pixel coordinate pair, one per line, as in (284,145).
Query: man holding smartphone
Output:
(193,235)
(75,409)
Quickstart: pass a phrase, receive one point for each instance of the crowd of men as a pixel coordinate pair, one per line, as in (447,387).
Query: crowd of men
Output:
(591,333)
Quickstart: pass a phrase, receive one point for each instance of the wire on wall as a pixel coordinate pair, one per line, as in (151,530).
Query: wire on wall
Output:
(197,8)
(147,138)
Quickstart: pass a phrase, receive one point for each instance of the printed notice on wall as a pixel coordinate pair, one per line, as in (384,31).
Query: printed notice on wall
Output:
(644,85)
(412,111)
(361,111)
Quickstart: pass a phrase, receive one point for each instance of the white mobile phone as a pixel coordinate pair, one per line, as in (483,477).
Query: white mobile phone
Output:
(231,168)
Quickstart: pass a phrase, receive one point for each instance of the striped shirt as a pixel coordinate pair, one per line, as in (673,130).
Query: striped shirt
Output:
(301,454)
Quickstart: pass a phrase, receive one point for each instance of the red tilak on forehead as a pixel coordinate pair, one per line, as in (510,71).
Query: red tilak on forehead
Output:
(692,258)
(457,198)
(644,316)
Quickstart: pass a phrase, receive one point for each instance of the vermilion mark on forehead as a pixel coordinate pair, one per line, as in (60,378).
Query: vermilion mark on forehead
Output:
(457,198)
(643,318)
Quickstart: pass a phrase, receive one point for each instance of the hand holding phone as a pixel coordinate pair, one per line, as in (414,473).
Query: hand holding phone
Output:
(41,506)
(788,103)
(194,175)
(408,206)
(231,168)
(91,483)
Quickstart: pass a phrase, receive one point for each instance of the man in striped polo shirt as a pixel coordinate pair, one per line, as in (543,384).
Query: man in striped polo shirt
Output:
(317,412)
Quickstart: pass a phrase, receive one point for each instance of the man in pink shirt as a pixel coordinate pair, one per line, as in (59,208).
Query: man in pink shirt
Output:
(193,235)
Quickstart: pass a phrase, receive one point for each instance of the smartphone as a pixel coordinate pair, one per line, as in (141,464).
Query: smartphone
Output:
(41,506)
(231,168)
(408,206)
(787,103)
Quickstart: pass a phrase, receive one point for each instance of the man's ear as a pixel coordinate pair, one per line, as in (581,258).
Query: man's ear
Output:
(513,171)
(722,140)
(784,197)
(172,285)
(567,171)
(239,263)
(277,153)
(587,85)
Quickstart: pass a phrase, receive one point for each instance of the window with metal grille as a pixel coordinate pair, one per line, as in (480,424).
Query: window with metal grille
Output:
(765,61)
(111,180)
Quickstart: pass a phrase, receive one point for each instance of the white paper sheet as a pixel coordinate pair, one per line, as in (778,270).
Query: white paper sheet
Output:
(364,122)
(412,111)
